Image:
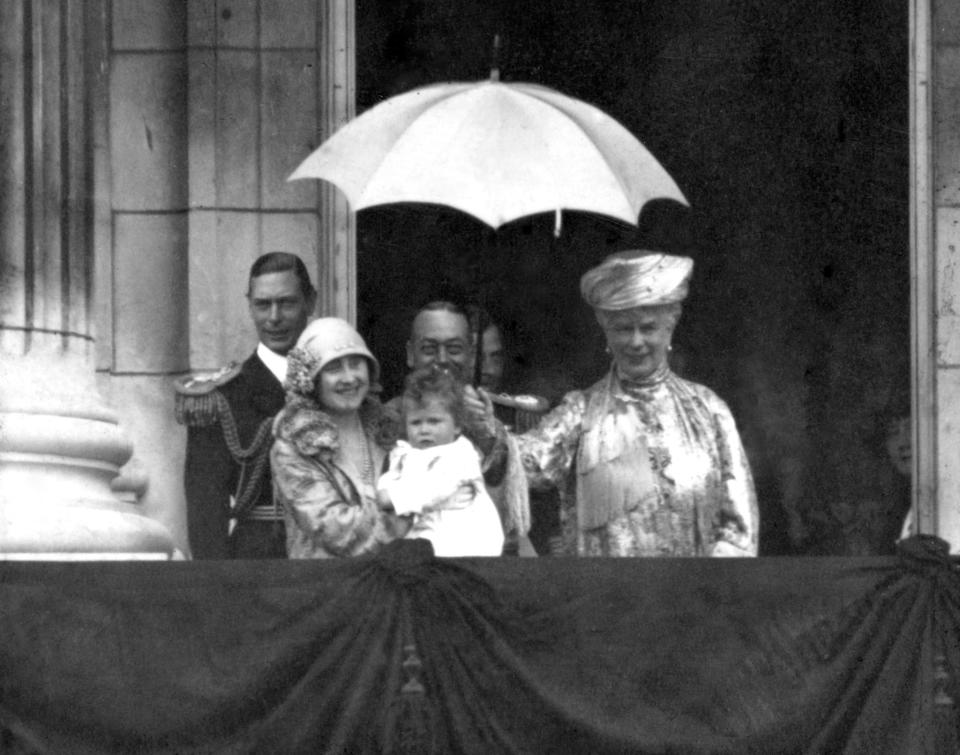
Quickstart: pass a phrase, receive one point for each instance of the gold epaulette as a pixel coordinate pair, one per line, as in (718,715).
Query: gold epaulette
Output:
(196,403)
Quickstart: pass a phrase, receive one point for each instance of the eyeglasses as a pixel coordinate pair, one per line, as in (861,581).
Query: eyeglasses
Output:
(431,348)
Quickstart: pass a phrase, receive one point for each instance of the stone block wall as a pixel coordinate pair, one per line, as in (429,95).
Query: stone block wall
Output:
(211,105)
(252,118)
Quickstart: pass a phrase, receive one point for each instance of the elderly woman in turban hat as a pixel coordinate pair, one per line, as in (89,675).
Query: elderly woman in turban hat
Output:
(650,464)
(330,442)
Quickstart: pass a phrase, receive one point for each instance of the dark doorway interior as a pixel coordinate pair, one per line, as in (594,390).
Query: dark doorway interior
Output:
(786,126)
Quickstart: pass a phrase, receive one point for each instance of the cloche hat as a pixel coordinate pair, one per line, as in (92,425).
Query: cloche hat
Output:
(323,341)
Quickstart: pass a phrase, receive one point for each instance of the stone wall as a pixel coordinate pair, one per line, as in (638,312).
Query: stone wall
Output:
(211,104)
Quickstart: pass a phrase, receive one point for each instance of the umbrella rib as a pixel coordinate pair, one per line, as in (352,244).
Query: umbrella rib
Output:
(406,129)
(566,115)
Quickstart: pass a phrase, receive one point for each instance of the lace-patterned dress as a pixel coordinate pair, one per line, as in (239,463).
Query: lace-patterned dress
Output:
(646,468)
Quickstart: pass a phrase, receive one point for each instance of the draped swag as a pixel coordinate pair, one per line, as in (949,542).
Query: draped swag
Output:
(406,653)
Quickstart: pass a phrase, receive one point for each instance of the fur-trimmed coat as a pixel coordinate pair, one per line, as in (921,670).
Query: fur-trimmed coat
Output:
(328,509)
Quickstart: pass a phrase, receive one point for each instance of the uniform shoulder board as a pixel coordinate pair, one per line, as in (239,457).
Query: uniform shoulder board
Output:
(200,383)
(197,397)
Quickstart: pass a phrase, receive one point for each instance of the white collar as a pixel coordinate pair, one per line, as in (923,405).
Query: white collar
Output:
(274,362)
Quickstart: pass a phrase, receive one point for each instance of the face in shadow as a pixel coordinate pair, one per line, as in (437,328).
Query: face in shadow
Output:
(494,359)
(899,446)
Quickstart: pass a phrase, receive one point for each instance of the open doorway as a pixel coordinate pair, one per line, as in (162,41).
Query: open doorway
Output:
(787,129)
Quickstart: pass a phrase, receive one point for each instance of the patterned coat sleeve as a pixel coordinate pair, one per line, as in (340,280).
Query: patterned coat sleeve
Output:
(741,498)
(548,451)
(324,514)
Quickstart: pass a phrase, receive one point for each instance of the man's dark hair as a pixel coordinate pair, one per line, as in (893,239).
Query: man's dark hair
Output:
(281,262)
(435,382)
(441,305)
(482,318)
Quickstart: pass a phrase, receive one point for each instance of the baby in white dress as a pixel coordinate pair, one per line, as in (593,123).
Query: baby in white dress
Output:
(435,474)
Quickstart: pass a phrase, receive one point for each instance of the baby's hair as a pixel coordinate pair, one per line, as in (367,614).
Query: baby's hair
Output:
(435,382)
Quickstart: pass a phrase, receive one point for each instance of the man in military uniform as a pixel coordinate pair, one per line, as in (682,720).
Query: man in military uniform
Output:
(229,413)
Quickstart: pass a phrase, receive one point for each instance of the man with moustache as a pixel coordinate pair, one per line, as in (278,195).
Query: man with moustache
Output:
(230,507)
(440,336)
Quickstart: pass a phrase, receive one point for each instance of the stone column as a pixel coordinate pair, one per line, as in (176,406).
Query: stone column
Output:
(922,273)
(60,445)
(944,144)
(935,265)
(337,97)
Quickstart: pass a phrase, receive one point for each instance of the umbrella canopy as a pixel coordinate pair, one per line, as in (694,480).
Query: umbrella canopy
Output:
(498,151)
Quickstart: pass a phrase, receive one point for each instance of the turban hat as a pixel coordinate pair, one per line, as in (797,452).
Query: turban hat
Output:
(636,279)
(323,341)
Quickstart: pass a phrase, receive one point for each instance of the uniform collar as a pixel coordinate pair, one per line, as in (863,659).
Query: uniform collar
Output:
(273,361)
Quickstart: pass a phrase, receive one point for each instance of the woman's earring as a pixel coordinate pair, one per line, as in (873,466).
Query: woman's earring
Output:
(669,347)
(607,350)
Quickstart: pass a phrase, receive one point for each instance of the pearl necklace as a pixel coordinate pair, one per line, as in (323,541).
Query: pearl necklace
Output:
(360,456)
(367,471)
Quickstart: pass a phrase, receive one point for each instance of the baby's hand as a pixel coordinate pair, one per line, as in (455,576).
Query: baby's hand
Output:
(726,549)
(402,525)
(462,498)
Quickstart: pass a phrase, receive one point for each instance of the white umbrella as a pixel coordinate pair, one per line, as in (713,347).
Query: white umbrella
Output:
(498,151)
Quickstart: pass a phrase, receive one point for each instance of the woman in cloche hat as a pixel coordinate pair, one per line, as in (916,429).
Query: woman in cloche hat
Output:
(650,464)
(330,442)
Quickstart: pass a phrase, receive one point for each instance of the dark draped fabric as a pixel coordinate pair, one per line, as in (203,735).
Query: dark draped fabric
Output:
(406,653)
